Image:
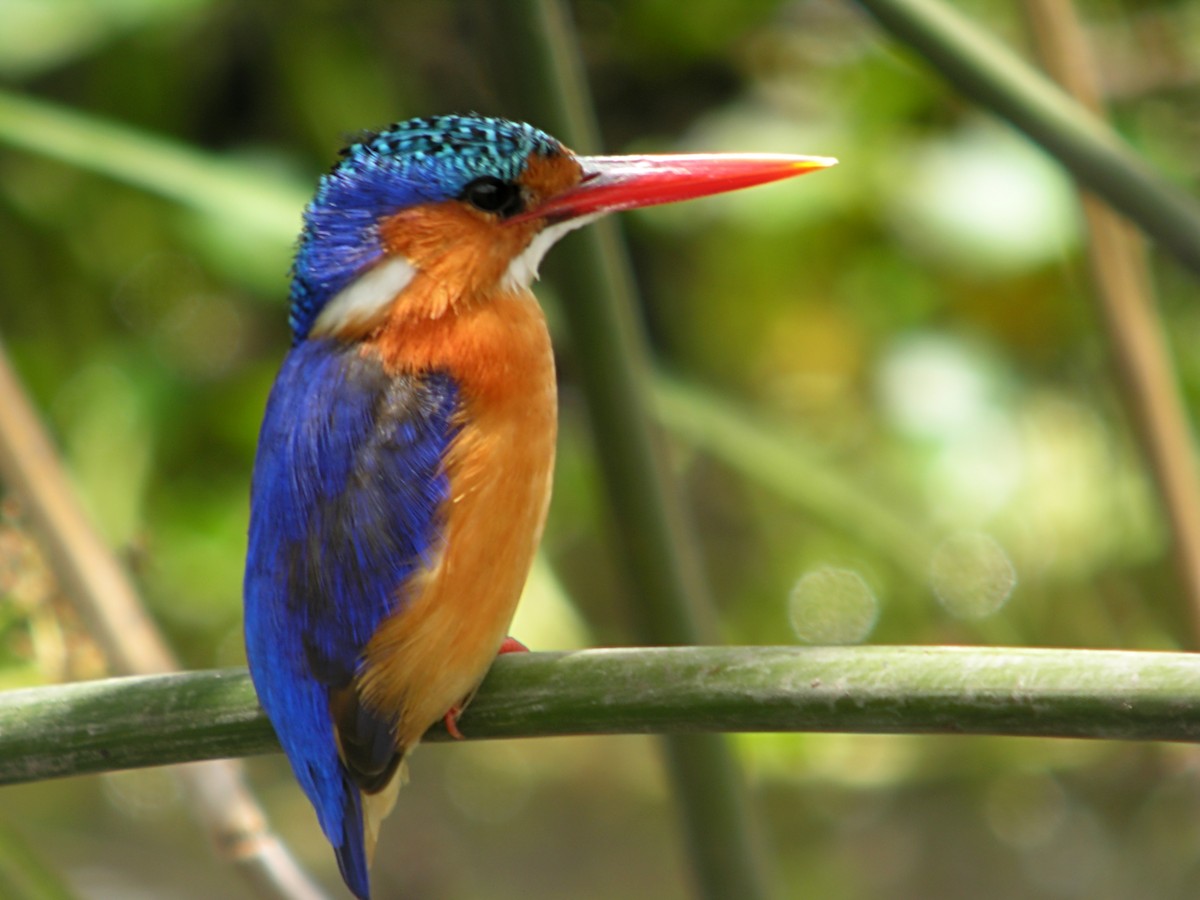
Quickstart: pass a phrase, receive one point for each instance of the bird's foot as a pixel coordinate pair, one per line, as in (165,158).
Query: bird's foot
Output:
(510,645)
(451,722)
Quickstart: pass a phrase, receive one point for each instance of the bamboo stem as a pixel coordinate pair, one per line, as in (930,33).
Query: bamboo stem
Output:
(119,723)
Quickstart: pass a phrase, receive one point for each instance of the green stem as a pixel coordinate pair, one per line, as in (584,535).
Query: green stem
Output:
(224,188)
(123,723)
(658,552)
(790,470)
(992,75)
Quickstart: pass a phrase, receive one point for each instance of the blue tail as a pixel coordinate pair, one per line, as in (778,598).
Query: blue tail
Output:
(311,749)
(351,852)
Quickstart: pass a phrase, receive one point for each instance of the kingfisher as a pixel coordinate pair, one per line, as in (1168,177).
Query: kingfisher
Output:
(404,463)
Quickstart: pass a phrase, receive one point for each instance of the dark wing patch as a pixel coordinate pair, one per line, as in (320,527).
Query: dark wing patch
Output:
(368,746)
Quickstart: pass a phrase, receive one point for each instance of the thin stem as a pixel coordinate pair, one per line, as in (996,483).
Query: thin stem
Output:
(254,200)
(87,571)
(120,723)
(1129,314)
(766,455)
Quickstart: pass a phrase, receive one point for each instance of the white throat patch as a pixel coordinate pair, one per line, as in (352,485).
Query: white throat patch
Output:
(523,270)
(365,298)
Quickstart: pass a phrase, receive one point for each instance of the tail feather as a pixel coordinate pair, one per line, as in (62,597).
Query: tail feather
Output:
(362,815)
(354,852)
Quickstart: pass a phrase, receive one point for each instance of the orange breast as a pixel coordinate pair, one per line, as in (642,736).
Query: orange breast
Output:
(433,653)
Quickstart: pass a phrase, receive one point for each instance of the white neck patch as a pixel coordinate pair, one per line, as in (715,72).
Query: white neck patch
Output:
(365,298)
(523,270)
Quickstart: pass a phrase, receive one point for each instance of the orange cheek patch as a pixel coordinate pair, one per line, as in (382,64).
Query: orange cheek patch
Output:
(459,253)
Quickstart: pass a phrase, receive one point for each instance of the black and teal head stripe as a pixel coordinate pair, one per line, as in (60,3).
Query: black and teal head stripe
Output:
(426,160)
(453,148)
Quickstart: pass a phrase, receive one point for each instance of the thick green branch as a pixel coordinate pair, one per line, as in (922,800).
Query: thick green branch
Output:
(129,722)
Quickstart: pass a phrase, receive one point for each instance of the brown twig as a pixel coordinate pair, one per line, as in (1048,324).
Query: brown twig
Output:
(106,600)
(1117,259)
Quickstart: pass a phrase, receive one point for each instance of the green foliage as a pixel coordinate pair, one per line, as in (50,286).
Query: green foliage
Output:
(878,379)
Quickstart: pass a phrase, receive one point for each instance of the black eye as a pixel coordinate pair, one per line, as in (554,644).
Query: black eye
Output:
(494,196)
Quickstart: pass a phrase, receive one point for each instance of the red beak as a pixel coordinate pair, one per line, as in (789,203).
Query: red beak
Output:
(612,183)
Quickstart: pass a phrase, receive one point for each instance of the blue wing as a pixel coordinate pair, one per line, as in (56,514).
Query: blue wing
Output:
(345,505)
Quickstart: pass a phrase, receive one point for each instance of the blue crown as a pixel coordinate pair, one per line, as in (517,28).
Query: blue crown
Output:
(425,160)
(449,146)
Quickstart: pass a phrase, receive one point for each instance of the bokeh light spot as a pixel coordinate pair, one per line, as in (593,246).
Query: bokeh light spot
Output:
(832,606)
(933,386)
(986,199)
(971,575)
(1026,810)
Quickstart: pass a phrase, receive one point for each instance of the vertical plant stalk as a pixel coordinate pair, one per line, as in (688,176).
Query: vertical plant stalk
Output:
(1117,260)
(659,556)
(107,602)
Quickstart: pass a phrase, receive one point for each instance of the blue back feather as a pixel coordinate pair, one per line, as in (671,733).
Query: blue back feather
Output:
(349,482)
(345,506)
(418,161)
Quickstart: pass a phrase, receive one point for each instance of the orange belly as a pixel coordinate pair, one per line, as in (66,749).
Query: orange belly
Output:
(433,653)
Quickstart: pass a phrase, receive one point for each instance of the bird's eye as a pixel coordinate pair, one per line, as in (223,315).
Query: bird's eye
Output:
(494,196)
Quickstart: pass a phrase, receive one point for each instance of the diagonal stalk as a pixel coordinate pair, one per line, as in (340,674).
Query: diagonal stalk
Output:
(107,601)
(989,73)
(1129,314)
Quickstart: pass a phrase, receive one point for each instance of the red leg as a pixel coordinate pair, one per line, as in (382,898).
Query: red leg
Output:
(510,645)
(451,722)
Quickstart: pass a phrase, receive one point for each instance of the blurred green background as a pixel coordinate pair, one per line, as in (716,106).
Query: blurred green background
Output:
(884,386)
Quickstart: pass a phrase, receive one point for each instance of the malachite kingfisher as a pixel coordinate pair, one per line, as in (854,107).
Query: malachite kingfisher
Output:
(404,464)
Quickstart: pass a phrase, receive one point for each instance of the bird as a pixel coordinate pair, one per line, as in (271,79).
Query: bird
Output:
(404,462)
